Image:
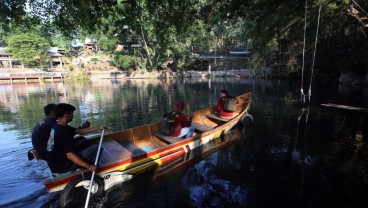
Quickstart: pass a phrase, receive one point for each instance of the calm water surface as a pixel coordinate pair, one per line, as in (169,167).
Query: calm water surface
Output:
(295,155)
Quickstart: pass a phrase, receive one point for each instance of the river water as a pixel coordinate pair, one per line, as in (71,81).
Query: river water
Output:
(295,155)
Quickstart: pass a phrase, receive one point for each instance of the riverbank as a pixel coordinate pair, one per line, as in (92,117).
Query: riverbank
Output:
(241,73)
(345,78)
(28,75)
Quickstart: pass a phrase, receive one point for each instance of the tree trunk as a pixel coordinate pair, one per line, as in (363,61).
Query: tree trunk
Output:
(146,48)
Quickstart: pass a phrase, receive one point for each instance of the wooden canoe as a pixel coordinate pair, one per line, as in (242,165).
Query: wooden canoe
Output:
(133,151)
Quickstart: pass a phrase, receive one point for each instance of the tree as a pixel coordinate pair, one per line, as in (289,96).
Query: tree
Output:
(69,16)
(106,43)
(30,49)
(161,27)
(276,31)
(124,62)
(170,29)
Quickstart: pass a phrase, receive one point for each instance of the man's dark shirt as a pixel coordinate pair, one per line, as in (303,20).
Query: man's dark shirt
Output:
(61,141)
(40,135)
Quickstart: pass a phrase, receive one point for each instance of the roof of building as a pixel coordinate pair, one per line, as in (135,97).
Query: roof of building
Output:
(54,54)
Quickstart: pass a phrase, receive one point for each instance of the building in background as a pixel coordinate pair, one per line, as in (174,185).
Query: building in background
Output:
(7,61)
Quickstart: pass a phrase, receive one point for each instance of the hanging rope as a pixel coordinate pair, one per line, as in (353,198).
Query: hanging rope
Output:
(305,28)
(314,54)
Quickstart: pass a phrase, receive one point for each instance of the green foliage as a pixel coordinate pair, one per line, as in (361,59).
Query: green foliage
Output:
(106,43)
(11,12)
(346,1)
(79,75)
(30,49)
(276,32)
(2,39)
(61,41)
(172,30)
(124,61)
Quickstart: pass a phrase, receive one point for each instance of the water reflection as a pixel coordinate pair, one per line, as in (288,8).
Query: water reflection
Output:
(296,155)
(118,104)
(317,156)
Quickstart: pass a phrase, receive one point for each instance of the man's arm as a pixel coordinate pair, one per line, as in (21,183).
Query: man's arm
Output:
(88,130)
(77,160)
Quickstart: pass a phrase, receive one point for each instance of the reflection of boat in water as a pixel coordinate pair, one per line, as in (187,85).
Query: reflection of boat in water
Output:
(135,151)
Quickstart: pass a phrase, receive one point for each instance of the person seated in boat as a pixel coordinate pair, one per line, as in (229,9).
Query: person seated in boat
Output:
(62,154)
(183,127)
(221,111)
(41,132)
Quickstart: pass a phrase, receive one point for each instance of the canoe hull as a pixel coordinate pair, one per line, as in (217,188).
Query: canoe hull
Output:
(164,158)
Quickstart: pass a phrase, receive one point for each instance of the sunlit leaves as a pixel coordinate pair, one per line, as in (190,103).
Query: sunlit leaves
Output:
(70,15)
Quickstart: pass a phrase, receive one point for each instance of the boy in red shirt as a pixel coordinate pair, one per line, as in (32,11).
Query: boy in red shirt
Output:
(183,126)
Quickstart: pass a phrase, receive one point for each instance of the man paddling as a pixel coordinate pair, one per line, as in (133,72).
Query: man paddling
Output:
(62,154)
(41,132)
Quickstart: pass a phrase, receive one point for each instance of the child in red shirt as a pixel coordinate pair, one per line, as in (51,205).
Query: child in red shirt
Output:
(183,127)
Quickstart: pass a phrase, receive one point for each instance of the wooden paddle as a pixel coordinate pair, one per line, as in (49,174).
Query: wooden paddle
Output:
(94,172)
